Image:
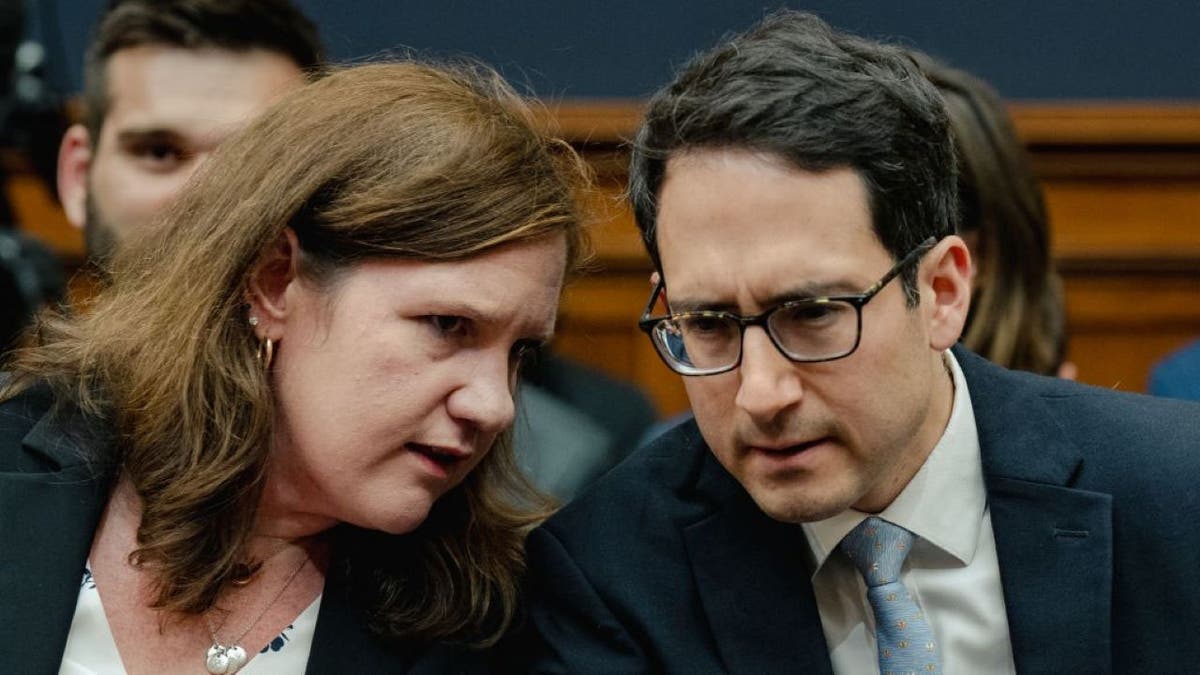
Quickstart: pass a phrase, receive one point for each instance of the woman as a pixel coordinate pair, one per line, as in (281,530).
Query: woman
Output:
(1017,316)
(277,441)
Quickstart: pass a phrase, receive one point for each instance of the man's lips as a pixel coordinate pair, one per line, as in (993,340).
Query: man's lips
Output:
(784,449)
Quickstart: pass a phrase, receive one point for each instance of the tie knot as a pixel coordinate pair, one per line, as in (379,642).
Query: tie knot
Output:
(878,549)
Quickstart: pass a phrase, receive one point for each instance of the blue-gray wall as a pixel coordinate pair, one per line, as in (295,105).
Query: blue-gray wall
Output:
(1029,49)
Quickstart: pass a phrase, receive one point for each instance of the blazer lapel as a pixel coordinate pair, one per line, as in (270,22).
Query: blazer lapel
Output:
(1054,543)
(343,643)
(753,578)
(45,535)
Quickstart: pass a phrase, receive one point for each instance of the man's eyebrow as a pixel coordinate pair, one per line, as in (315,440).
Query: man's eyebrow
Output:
(142,135)
(816,289)
(807,291)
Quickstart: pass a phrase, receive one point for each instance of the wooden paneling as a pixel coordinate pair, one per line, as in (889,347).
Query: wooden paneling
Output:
(1146,219)
(598,326)
(35,208)
(1122,184)
(1121,322)
(1094,124)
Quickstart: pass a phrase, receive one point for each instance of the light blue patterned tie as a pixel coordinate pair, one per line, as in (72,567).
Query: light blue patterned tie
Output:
(905,640)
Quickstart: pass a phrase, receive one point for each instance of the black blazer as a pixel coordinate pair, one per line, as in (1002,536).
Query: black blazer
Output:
(667,566)
(51,500)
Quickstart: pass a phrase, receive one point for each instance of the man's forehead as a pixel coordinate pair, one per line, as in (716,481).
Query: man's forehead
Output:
(193,92)
(744,228)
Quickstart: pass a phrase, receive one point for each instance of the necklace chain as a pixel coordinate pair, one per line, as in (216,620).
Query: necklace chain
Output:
(246,572)
(234,645)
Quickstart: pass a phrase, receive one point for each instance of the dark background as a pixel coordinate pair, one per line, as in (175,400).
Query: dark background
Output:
(1028,49)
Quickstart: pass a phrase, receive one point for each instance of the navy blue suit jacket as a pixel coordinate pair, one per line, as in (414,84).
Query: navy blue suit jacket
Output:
(51,500)
(668,566)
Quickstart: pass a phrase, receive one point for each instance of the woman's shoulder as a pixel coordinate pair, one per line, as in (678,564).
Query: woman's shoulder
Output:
(39,435)
(19,414)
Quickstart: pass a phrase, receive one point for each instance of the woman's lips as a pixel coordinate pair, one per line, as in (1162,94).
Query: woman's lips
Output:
(442,458)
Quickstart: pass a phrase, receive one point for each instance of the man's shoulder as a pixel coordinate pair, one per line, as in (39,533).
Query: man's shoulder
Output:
(996,390)
(1124,439)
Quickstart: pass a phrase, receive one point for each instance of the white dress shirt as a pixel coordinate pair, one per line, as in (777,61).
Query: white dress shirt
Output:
(952,570)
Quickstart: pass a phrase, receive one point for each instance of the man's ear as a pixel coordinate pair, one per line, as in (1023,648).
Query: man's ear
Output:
(945,279)
(656,277)
(74,162)
(267,289)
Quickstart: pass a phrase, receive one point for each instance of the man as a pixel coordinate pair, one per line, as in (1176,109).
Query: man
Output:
(165,81)
(856,494)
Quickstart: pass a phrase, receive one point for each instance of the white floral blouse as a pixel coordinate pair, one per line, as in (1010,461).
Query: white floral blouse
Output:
(91,649)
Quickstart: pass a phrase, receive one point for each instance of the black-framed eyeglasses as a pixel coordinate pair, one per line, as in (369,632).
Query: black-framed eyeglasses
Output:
(708,342)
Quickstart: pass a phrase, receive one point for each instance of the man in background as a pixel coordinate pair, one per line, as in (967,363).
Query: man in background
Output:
(165,82)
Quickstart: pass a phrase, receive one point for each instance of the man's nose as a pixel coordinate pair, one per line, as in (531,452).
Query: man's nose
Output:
(768,381)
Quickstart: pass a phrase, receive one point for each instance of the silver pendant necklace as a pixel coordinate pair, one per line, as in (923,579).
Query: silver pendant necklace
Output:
(226,659)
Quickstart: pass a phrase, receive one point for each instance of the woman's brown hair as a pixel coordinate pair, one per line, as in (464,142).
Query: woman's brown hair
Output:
(385,160)
(1017,316)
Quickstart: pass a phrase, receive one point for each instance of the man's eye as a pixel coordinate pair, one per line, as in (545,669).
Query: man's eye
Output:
(158,156)
(808,312)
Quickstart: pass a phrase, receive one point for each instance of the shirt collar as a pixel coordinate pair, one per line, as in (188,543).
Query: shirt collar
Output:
(944,502)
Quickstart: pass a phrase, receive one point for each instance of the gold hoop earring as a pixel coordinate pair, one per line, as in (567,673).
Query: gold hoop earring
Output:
(265,353)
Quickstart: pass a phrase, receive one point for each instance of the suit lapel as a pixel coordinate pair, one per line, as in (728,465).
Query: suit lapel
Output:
(753,581)
(45,535)
(1055,550)
(1054,543)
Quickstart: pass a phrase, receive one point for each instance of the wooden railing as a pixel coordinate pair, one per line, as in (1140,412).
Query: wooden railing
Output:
(1122,184)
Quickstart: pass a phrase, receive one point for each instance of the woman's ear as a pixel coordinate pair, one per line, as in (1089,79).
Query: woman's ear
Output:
(269,282)
(946,279)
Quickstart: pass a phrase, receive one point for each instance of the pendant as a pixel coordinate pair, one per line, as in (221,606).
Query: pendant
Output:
(222,660)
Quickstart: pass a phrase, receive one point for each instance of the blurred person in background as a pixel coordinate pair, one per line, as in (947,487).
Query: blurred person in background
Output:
(1178,375)
(165,82)
(278,439)
(575,423)
(1017,317)
(30,274)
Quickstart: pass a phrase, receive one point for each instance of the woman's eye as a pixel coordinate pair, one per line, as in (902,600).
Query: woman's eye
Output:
(447,325)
